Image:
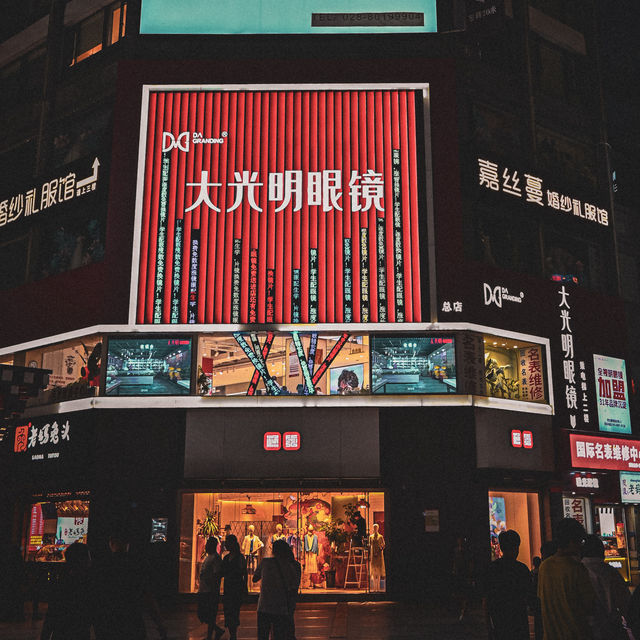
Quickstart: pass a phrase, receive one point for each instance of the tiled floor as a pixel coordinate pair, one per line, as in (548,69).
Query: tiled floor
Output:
(316,621)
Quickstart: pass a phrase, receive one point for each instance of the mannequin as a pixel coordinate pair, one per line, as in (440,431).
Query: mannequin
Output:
(310,556)
(376,558)
(278,535)
(251,545)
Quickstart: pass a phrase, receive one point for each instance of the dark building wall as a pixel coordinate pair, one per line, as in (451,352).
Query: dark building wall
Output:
(428,461)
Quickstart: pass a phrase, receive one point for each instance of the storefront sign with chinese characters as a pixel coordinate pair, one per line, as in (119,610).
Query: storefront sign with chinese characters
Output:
(471,370)
(30,438)
(596,452)
(532,190)
(273,206)
(611,393)
(630,487)
(586,482)
(575,402)
(578,509)
(531,375)
(288,441)
(46,196)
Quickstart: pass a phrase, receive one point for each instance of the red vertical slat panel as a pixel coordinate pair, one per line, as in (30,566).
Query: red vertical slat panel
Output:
(372,145)
(322,214)
(296,240)
(338,269)
(346,221)
(174,121)
(329,293)
(415,228)
(243,224)
(271,215)
(214,169)
(355,215)
(406,209)
(280,215)
(256,216)
(155,199)
(313,209)
(380,168)
(205,211)
(285,311)
(304,220)
(146,209)
(262,231)
(229,231)
(221,266)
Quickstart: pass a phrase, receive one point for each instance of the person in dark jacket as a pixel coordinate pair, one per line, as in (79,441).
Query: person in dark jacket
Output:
(122,593)
(234,572)
(508,592)
(209,589)
(69,615)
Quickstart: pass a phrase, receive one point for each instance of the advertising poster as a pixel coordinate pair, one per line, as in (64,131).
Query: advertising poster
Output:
(630,487)
(292,16)
(578,509)
(612,394)
(497,523)
(279,206)
(70,530)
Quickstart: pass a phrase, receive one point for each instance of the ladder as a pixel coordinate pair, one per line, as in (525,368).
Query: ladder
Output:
(358,566)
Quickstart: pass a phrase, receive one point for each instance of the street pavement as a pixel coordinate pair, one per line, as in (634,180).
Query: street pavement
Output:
(316,621)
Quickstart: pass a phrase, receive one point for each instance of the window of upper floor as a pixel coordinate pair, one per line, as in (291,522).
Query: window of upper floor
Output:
(97,32)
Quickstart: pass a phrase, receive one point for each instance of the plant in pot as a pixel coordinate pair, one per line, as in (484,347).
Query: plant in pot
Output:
(336,535)
(207,527)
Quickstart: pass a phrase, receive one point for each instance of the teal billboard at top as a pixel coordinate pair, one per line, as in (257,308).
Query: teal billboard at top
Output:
(287,16)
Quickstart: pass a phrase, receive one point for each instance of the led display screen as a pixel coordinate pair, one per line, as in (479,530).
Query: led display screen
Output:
(412,364)
(293,16)
(612,394)
(153,365)
(287,206)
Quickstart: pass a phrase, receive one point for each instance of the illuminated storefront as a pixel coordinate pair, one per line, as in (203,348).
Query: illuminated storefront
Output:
(338,525)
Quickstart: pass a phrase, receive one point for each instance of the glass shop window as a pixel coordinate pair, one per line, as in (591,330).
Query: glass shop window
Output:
(514,370)
(52,526)
(288,364)
(338,537)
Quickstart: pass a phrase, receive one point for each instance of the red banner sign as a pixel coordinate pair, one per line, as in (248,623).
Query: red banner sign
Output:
(594,452)
(280,206)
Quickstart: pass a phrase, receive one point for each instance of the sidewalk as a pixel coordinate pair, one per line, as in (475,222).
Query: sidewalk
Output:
(316,621)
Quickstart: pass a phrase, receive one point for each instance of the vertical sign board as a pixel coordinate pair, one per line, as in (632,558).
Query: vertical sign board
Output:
(611,394)
(287,206)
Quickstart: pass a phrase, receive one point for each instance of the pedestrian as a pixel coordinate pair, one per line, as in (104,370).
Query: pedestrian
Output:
(293,595)
(279,584)
(612,594)
(209,589)
(234,572)
(564,588)
(121,593)
(508,592)
(70,610)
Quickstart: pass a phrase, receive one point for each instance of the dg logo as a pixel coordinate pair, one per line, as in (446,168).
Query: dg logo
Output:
(492,295)
(169,141)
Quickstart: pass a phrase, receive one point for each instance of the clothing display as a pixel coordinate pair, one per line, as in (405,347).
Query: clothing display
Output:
(310,555)
(251,544)
(376,556)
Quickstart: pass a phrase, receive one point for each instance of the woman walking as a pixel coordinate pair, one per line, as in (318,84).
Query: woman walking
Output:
(234,572)
(209,589)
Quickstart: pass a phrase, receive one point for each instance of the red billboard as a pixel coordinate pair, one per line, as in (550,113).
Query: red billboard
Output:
(279,206)
(595,452)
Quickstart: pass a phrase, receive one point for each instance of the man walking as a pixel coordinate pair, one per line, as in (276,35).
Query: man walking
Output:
(564,587)
(508,592)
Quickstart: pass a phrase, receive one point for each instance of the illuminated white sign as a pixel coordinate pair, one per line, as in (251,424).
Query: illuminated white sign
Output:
(48,195)
(531,189)
(496,295)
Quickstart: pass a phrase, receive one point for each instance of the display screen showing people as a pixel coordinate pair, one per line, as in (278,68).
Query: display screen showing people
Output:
(338,537)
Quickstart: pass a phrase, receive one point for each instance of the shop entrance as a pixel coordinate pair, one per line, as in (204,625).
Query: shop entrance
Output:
(332,534)
(519,511)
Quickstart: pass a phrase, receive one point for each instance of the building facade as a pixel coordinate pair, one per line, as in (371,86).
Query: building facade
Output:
(312,279)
